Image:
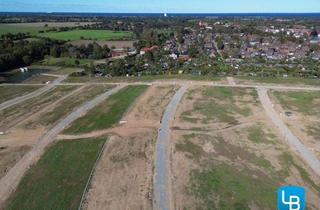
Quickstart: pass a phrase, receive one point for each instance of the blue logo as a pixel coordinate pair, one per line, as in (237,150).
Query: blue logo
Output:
(291,198)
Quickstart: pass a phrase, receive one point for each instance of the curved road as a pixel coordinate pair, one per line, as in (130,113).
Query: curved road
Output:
(35,93)
(161,181)
(11,180)
(304,152)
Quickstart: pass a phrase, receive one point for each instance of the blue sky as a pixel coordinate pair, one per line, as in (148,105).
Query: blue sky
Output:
(161,6)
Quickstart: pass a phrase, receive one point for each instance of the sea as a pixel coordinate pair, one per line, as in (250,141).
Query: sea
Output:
(167,14)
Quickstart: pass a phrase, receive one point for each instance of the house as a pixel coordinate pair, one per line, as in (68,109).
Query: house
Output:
(118,53)
(148,49)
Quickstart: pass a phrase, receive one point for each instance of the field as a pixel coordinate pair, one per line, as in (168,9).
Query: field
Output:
(278,80)
(51,61)
(39,79)
(147,78)
(304,121)
(227,155)
(107,113)
(52,114)
(88,34)
(34,28)
(116,44)
(10,92)
(224,152)
(11,115)
(58,179)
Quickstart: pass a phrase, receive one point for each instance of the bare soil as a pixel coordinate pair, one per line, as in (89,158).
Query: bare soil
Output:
(129,157)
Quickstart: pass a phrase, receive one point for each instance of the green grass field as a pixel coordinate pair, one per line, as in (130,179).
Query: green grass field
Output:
(107,113)
(88,34)
(64,61)
(280,80)
(10,92)
(59,178)
(20,28)
(144,78)
(305,102)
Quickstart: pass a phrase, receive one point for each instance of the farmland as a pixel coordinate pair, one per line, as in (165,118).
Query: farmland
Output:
(87,34)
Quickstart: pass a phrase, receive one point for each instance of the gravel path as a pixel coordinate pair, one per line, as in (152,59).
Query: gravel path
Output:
(161,181)
(11,180)
(296,144)
(35,93)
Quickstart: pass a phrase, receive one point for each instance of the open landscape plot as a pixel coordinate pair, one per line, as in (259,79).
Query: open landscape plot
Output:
(123,178)
(88,34)
(300,111)
(59,178)
(278,80)
(13,91)
(64,61)
(11,115)
(226,154)
(34,28)
(149,78)
(39,79)
(54,113)
(107,113)
(116,44)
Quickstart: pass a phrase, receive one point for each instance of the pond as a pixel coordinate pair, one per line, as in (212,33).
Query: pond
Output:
(18,76)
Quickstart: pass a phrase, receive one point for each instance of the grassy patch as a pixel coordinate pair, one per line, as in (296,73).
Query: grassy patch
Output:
(39,79)
(58,179)
(20,28)
(288,161)
(219,104)
(65,61)
(314,130)
(256,134)
(143,78)
(67,105)
(10,92)
(190,148)
(88,34)
(281,80)
(222,186)
(305,102)
(107,113)
(33,105)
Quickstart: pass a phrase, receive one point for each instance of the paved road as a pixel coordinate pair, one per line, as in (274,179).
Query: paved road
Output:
(11,180)
(161,181)
(294,142)
(35,93)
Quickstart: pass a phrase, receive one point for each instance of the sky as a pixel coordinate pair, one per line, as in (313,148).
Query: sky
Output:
(162,6)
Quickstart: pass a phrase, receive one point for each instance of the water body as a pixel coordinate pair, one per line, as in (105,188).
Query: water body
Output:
(169,14)
(18,76)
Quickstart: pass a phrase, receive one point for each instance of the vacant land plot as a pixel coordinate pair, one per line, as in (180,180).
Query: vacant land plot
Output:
(128,159)
(148,78)
(53,114)
(39,79)
(88,34)
(116,44)
(278,80)
(34,28)
(10,116)
(58,179)
(10,92)
(305,119)
(65,61)
(107,113)
(226,154)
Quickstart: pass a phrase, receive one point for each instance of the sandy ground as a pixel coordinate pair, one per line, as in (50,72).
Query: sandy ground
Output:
(129,157)
(234,149)
(299,124)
